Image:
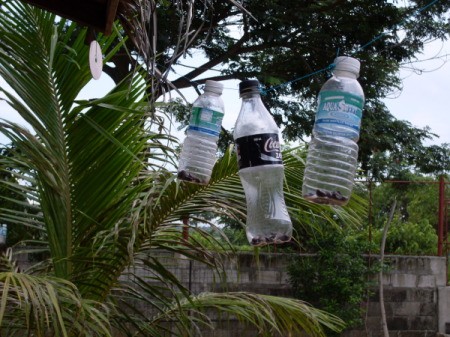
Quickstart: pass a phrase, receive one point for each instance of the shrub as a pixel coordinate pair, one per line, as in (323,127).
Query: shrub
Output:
(335,278)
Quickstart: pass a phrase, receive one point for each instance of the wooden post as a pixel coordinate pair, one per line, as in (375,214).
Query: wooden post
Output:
(441,215)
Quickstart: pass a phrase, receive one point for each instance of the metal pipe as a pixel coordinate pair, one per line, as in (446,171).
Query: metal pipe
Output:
(441,215)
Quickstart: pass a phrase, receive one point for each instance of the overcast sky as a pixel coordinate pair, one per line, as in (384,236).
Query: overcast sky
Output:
(423,100)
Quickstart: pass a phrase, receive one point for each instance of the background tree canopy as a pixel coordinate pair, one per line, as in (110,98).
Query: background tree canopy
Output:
(279,41)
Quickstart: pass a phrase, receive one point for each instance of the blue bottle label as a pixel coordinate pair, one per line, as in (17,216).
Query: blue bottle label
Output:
(339,114)
(206,120)
(260,149)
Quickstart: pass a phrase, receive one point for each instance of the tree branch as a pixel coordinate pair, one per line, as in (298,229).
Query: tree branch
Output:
(380,275)
(186,80)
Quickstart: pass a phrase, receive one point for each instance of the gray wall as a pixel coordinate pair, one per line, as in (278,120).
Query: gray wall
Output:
(412,287)
(417,300)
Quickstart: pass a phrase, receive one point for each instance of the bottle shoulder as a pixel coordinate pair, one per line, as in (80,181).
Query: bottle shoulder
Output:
(254,119)
(344,84)
(210,101)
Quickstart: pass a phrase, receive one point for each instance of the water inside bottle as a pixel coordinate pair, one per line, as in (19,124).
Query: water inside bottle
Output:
(268,221)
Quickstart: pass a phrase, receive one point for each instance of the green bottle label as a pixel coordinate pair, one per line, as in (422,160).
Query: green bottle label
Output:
(206,121)
(339,114)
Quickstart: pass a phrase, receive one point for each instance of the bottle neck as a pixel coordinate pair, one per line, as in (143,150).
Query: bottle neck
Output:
(248,95)
(212,93)
(345,73)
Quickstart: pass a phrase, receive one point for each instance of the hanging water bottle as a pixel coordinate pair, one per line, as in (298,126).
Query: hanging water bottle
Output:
(3,234)
(261,169)
(333,151)
(198,153)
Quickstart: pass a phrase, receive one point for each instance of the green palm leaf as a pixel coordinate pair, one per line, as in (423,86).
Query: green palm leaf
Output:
(270,315)
(45,304)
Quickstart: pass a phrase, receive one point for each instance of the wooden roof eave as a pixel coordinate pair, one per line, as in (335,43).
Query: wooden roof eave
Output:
(96,14)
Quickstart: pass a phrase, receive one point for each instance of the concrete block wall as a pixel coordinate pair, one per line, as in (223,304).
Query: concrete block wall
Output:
(411,296)
(417,300)
(411,288)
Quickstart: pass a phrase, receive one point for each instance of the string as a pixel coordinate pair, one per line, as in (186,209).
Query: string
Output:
(330,67)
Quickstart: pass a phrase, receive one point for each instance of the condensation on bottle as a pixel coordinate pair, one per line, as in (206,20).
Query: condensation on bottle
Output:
(261,170)
(198,153)
(333,151)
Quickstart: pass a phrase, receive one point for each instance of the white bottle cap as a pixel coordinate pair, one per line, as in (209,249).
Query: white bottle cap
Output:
(347,63)
(214,87)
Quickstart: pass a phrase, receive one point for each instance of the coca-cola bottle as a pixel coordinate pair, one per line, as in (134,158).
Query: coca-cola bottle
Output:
(261,169)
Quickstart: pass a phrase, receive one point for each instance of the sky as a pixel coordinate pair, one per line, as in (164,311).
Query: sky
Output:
(423,100)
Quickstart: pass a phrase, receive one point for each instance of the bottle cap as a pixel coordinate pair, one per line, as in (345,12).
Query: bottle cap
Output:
(248,86)
(347,63)
(214,87)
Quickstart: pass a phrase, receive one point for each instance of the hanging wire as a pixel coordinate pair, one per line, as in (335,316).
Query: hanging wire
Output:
(332,65)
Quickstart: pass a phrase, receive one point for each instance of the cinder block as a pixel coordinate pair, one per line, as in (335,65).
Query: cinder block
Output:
(374,309)
(423,323)
(424,295)
(404,280)
(373,323)
(284,275)
(428,309)
(437,264)
(396,295)
(397,323)
(426,281)
(269,276)
(406,309)
(417,333)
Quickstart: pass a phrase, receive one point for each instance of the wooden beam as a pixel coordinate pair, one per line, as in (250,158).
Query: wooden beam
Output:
(111,12)
(97,14)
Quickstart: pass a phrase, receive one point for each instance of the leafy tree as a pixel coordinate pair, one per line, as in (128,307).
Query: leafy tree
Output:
(280,41)
(101,181)
(417,199)
(409,238)
(414,226)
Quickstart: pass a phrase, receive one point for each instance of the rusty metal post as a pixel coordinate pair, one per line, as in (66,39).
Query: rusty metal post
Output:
(185,228)
(441,216)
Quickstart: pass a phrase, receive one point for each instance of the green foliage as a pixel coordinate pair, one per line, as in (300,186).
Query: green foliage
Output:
(409,238)
(414,228)
(335,277)
(14,202)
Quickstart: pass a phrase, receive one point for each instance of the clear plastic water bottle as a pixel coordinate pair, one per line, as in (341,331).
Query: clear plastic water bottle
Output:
(3,234)
(333,151)
(261,169)
(198,154)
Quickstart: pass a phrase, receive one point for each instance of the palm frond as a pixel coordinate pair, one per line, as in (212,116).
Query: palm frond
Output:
(47,304)
(268,315)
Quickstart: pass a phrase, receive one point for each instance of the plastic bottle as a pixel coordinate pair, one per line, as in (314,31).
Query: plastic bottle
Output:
(261,169)
(198,153)
(333,151)
(3,234)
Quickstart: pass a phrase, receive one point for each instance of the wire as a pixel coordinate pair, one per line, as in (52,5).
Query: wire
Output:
(331,66)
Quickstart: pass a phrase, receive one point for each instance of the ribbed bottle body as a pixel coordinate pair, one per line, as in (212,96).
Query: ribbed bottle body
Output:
(267,218)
